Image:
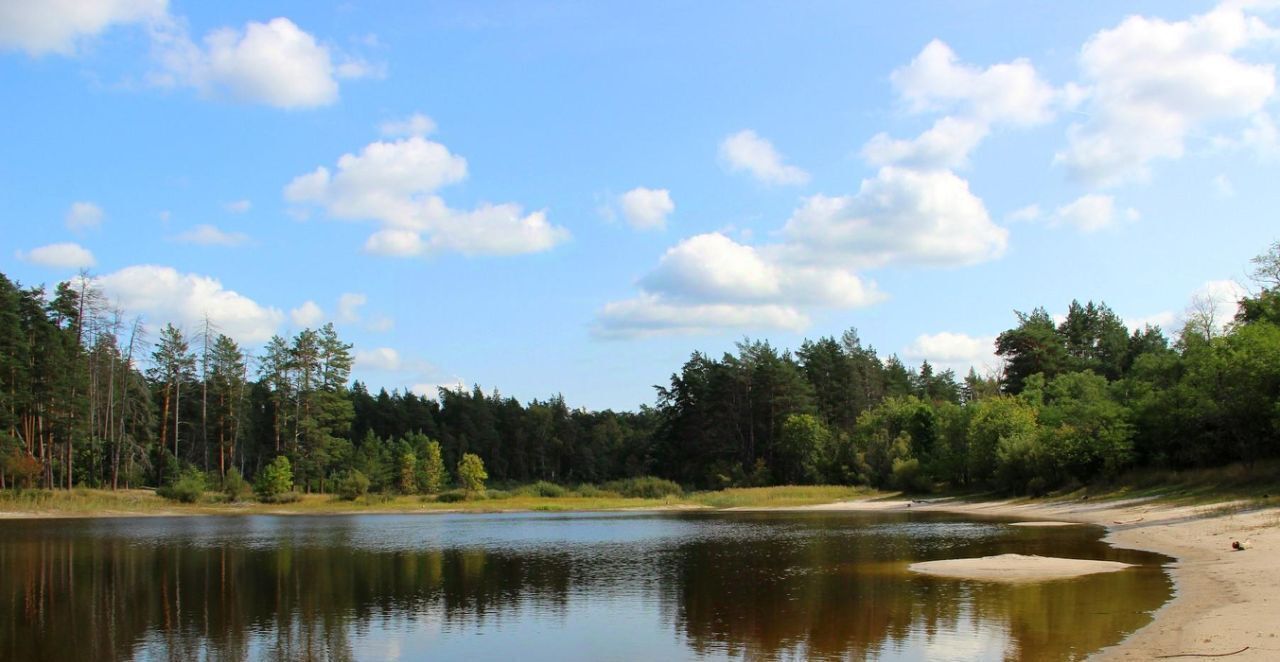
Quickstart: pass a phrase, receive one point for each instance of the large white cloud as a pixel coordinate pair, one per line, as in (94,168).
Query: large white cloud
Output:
(900,216)
(1007,92)
(647,208)
(165,295)
(954,351)
(275,63)
(1090,213)
(746,151)
(649,315)
(946,145)
(65,255)
(307,315)
(1151,82)
(55,26)
(394,184)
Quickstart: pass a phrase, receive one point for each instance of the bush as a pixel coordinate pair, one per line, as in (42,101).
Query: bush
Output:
(591,491)
(353,485)
(188,488)
(471,473)
(497,494)
(235,486)
(452,496)
(283,497)
(644,487)
(275,479)
(542,488)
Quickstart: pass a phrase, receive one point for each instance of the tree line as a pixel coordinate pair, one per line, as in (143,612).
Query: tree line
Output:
(86,399)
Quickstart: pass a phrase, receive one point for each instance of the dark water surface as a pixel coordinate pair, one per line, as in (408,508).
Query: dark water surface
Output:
(553,586)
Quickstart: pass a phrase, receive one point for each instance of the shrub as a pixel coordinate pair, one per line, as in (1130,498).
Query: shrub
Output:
(353,485)
(188,488)
(452,496)
(471,473)
(644,487)
(591,491)
(235,486)
(543,488)
(497,494)
(275,479)
(283,497)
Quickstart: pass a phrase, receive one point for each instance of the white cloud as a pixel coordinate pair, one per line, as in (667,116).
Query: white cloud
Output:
(747,151)
(307,315)
(55,26)
(1150,82)
(1164,319)
(1009,92)
(901,217)
(1024,214)
(83,216)
(1219,299)
(395,184)
(382,359)
(646,208)
(955,351)
(1090,213)
(165,295)
(239,206)
(416,124)
(274,63)
(649,315)
(349,306)
(380,324)
(59,256)
(208,235)
(946,145)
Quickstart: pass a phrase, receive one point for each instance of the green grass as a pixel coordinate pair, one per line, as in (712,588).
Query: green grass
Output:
(1254,486)
(780,496)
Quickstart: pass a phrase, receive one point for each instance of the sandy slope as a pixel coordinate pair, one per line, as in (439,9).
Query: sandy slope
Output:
(1226,600)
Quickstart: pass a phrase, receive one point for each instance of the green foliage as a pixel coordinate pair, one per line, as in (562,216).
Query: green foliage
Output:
(408,483)
(353,485)
(991,420)
(471,473)
(235,487)
(454,496)
(644,487)
(188,488)
(433,474)
(802,449)
(542,488)
(274,480)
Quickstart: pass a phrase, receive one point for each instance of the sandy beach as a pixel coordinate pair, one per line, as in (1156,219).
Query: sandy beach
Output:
(1227,601)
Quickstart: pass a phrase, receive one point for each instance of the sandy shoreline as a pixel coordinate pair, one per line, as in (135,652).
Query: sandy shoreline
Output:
(1225,601)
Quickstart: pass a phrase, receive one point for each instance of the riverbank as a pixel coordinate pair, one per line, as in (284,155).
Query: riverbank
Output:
(1226,601)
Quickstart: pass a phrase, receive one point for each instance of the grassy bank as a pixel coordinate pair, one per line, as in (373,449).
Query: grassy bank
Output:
(89,502)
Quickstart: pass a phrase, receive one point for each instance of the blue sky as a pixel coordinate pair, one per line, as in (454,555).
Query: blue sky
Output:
(571,197)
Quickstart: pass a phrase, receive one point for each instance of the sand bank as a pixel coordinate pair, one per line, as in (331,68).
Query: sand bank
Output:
(1015,568)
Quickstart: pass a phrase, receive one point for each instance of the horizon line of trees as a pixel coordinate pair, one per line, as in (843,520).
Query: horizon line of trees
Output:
(86,400)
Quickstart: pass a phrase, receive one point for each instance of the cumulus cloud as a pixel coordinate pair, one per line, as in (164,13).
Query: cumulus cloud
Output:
(646,208)
(649,315)
(899,216)
(383,359)
(275,63)
(416,124)
(57,26)
(349,305)
(974,99)
(164,295)
(1008,92)
(1024,214)
(307,315)
(946,145)
(1093,212)
(239,206)
(1150,82)
(745,151)
(209,235)
(59,256)
(83,216)
(394,184)
(954,351)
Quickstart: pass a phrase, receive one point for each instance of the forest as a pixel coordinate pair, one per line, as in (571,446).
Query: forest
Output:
(87,399)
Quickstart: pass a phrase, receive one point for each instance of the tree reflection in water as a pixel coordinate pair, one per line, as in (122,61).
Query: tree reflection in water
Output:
(759,586)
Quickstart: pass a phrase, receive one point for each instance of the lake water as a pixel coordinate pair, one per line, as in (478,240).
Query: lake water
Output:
(635,586)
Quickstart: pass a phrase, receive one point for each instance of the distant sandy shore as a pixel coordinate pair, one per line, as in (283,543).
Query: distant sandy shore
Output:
(1226,600)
